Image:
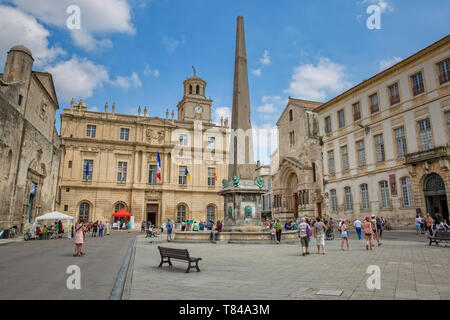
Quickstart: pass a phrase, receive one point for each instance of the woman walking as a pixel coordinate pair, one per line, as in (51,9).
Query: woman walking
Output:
(368,231)
(78,241)
(344,235)
(279,229)
(304,233)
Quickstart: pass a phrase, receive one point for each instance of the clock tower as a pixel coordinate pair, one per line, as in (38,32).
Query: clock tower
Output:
(194,105)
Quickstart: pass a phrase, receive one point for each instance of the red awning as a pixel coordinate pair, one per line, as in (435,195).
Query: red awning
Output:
(122,213)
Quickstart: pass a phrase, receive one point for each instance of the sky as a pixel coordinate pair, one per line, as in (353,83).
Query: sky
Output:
(139,52)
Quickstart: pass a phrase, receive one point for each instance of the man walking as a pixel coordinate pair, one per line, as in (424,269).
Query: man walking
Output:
(357,224)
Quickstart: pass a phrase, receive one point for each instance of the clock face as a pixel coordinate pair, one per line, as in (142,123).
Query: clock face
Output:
(198,109)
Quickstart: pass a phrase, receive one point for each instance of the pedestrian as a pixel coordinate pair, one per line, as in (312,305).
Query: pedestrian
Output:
(368,231)
(375,229)
(344,235)
(107,228)
(94,229)
(429,222)
(183,225)
(101,226)
(304,233)
(189,224)
(357,224)
(331,225)
(418,223)
(380,227)
(319,234)
(169,226)
(279,229)
(196,226)
(78,241)
(130,226)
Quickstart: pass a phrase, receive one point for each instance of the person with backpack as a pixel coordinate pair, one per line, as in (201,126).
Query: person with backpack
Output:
(304,233)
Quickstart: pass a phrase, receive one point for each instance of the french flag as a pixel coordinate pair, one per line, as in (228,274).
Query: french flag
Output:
(158,173)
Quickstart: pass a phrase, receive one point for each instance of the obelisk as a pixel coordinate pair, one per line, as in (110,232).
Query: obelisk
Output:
(241,192)
(242,162)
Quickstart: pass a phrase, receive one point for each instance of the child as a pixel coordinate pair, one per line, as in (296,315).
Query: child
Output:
(272,234)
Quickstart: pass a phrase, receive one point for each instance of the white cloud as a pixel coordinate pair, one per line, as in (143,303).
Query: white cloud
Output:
(265,60)
(126,83)
(318,82)
(223,112)
(386,63)
(256,72)
(385,5)
(20,28)
(171,43)
(271,107)
(77,78)
(150,72)
(98,17)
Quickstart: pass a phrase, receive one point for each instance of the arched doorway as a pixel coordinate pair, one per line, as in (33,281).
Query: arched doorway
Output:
(435,195)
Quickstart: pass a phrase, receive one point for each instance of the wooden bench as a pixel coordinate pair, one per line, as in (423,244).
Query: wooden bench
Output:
(439,237)
(178,254)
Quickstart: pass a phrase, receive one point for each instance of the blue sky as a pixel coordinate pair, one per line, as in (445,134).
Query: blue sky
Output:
(138,52)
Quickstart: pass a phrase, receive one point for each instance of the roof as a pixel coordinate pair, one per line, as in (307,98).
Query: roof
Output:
(22,48)
(442,42)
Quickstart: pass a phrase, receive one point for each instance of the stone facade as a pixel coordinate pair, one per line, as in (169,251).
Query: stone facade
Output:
(386,141)
(122,155)
(297,180)
(29,143)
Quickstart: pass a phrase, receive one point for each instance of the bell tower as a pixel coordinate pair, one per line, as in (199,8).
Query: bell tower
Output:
(194,105)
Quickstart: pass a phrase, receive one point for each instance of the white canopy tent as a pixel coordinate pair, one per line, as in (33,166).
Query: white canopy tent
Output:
(55,216)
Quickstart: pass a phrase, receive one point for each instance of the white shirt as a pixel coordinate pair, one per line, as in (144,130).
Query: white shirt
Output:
(357,224)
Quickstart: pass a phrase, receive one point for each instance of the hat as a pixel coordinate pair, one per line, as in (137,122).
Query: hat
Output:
(373,216)
(367,218)
(344,220)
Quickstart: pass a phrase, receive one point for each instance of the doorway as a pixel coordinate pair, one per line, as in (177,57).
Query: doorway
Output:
(296,203)
(152,213)
(435,196)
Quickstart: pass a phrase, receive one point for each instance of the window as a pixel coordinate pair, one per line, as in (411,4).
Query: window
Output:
(401,142)
(124,134)
(314,172)
(90,131)
(211,213)
(181,213)
(122,172)
(417,83)
(426,137)
(444,71)
(394,94)
(183,139)
(83,212)
(66,208)
(360,149)
(447,116)
(88,168)
(211,142)
(152,171)
(379,147)
(365,204)
(331,167)
(292,138)
(291,115)
(374,108)
(182,178)
(70,165)
(384,191)
(266,202)
(269,184)
(119,206)
(328,124)
(19,101)
(341,117)
(190,89)
(344,152)
(197,89)
(67,189)
(211,177)
(356,111)
(334,205)
(348,199)
(406,191)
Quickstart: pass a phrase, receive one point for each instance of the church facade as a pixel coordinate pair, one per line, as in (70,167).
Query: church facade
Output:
(29,143)
(111,161)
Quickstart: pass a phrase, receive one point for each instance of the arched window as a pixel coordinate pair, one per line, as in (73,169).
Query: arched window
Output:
(211,213)
(291,115)
(83,213)
(190,89)
(365,197)
(348,199)
(181,213)
(119,206)
(197,90)
(384,191)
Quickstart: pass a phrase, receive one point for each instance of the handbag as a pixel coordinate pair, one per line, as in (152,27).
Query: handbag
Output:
(308,231)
